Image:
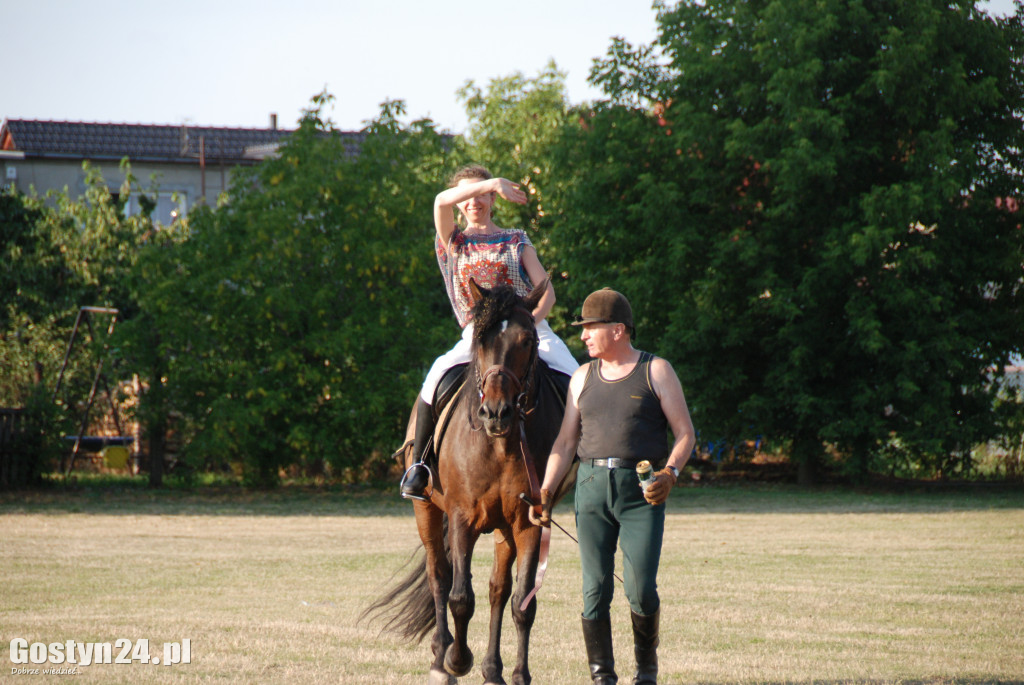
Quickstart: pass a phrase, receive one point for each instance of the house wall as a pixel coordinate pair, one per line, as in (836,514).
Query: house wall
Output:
(185,180)
(1014,380)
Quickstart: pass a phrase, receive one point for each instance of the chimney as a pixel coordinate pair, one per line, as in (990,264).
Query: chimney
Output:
(273,121)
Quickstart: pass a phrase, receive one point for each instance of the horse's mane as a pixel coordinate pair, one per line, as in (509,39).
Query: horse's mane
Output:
(491,309)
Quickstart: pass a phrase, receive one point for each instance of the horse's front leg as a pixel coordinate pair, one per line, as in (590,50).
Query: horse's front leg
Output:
(430,523)
(527,541)
(462,538)
(500,591)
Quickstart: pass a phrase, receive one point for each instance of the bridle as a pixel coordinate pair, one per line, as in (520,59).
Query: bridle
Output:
(521,387)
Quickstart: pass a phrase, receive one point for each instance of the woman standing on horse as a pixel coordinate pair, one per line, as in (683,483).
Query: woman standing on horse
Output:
(491,256)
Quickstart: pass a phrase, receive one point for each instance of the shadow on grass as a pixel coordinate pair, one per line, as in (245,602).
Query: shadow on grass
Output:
(131,496)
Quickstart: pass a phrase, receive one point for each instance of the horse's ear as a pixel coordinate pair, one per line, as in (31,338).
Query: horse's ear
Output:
(533,298)
(476,291)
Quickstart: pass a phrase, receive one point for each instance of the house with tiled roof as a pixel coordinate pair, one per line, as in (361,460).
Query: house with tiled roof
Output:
(187,164)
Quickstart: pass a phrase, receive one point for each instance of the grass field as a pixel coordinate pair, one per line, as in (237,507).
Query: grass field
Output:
(764,584)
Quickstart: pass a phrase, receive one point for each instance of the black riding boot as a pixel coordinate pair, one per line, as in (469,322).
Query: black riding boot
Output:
(645,647)
(597,636)
(417,477)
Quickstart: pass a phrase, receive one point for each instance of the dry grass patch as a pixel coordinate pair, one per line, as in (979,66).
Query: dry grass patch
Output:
(758,585)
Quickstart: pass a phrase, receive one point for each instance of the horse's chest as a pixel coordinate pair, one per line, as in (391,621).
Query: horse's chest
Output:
(490,499)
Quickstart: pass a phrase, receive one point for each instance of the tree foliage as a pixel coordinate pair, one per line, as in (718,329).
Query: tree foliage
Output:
(59,254)
(293,323)
(811,205)
(814,194)
(513,123)
(516,123)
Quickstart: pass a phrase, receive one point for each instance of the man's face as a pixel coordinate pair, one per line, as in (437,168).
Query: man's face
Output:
(599,337)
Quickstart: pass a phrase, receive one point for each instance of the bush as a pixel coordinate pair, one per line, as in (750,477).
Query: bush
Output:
(35,447)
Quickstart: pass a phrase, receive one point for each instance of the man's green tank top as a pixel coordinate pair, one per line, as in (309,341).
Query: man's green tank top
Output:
(622,418)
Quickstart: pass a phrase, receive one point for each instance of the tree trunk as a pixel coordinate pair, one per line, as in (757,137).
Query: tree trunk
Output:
(805,474)
(806,454)
(157,450)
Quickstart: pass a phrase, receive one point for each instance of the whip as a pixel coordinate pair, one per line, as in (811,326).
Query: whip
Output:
(522,496)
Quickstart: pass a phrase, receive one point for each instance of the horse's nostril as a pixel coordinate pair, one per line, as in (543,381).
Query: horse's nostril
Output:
(482,412)
(505,413)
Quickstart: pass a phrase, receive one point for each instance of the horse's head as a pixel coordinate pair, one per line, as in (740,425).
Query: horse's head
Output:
(504,352)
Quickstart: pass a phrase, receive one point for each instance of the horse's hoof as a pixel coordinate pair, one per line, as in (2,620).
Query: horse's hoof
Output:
(452,668)
(438,677)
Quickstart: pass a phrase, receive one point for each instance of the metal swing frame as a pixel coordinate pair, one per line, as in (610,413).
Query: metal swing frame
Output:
(84,314)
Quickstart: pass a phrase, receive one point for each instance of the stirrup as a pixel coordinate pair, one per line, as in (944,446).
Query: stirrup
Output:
(407,490)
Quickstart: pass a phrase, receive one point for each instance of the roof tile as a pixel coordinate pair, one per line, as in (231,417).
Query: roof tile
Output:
(138,141)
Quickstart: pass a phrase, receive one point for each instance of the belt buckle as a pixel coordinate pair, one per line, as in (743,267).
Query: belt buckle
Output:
(614,463)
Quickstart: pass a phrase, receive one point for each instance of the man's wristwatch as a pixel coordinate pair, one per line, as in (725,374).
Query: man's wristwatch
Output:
(674,470)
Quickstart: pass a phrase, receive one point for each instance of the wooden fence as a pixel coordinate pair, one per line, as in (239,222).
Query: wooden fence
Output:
(12,422)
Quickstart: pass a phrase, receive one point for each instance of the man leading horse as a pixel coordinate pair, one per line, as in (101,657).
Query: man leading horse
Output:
(616,415)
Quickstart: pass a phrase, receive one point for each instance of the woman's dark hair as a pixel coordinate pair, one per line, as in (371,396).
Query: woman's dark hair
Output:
(476,172)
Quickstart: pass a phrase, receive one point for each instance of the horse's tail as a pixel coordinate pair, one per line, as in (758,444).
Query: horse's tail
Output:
(407,609)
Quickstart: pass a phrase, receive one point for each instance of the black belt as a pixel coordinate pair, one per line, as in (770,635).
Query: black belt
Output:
(616,463)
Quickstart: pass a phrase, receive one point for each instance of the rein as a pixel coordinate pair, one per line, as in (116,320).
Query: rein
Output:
(545,532)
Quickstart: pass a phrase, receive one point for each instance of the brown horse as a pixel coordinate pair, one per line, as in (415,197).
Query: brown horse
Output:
(506,416)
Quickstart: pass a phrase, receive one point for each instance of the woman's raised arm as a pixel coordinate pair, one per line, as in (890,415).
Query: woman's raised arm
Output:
(446,200)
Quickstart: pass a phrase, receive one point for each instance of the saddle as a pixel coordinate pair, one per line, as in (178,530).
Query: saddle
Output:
(553,387)
(449,386)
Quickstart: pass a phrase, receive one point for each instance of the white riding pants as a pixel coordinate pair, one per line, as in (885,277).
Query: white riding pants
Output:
(551,349)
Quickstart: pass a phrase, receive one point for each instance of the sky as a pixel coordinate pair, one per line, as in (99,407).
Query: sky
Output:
(234,62)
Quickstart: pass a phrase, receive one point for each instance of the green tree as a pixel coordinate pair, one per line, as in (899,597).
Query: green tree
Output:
(619,218)
(814,194)
(294,323)
(516,126)
(60,253)
(513,124)
(20,277)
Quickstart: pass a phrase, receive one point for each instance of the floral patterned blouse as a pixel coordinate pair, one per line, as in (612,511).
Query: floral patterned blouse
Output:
(490,260)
